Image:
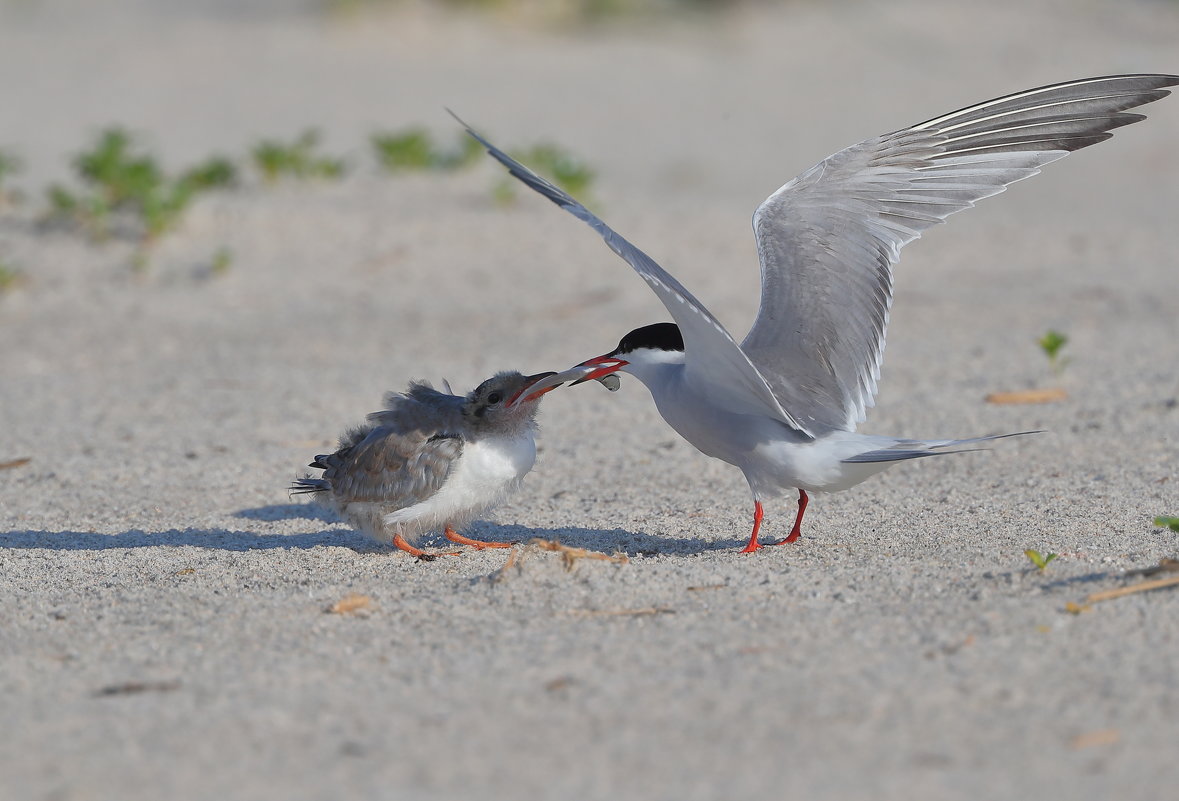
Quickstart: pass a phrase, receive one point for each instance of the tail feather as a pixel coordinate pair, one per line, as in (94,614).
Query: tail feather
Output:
(917,449)
(305,486)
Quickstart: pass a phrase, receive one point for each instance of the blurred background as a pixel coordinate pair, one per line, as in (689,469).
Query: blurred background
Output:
(228,226)
(697,106)
(750,77)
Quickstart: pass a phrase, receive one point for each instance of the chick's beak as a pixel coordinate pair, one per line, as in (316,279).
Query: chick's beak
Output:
(530,381)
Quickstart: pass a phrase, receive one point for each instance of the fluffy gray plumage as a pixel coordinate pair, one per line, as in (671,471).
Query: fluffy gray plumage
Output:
(404,454)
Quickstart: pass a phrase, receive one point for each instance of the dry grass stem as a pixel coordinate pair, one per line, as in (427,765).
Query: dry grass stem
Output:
(1051,395)
(1165,565)
(1094,738)
(136,687)
(513,559)
(646,610)
(1145,586)
(569,555)
(351,604)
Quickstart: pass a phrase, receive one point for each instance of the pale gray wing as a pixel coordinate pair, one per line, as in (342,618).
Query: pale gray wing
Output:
(714,361)
(403,454)
(388,467)
(827,240)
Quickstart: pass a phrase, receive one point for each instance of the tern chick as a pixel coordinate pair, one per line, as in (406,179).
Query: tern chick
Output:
(783,404)
(431,460)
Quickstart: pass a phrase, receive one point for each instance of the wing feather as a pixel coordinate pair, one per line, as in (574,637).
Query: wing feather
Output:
(402,455)
(828,239)
(714,360)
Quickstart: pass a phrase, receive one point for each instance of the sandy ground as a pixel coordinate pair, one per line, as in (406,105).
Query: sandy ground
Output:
(163,631)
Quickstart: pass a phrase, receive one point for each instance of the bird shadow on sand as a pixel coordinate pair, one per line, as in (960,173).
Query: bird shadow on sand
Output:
(213,538)
(632,543)
(287,511)
(1071,582)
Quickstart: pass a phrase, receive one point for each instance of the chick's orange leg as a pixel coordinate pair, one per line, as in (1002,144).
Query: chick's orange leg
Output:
(399,542)
(454,536)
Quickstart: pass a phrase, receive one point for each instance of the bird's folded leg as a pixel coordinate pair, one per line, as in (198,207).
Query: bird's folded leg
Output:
(399,542)
(454,536)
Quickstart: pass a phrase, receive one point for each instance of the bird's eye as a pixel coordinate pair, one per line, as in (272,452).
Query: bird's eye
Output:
(494,398)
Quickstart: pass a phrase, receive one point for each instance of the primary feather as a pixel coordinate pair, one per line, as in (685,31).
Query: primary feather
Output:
(827,240)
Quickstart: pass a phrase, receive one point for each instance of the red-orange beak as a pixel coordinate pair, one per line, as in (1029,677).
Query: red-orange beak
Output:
(606,365)
(532,381)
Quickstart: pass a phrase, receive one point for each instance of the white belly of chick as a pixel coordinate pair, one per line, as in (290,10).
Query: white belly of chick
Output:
(484,474)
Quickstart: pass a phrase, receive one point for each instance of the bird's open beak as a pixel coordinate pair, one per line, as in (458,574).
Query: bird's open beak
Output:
(605,365)
(528,392)
(598,369)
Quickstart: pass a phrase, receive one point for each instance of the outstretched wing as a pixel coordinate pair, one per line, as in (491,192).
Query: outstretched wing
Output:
(828,239)
(714,361)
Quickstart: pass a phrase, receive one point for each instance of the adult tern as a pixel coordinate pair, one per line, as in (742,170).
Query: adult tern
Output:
(431,460)
(783,404)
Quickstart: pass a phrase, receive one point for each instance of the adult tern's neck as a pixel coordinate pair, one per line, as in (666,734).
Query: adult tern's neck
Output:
(658,369)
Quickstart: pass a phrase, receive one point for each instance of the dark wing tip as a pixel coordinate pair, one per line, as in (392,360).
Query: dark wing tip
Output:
(519,171)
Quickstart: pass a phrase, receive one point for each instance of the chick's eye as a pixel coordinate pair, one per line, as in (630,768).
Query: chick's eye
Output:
(494,398)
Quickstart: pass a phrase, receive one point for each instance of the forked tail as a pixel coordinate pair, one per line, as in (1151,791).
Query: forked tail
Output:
(916,448)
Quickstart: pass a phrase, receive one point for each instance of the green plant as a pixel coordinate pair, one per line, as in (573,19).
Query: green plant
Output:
(296,159)
(1168,522)
(1039,560)
(413,149)
(117,178)
(222,261)
(553,162)
(1051,343)
(9,277)
(9,166)
(214,173)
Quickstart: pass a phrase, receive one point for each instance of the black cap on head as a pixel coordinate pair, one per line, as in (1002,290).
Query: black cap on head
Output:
(660,336)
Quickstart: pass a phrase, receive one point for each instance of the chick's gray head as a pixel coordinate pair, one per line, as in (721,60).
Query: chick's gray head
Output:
(487,407)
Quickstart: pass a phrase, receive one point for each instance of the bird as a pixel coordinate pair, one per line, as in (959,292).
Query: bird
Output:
(783,404)
(431,460)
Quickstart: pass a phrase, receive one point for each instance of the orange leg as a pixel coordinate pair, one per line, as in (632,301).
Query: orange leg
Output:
(454,536)
(754,545)
(399,542)
(796,532)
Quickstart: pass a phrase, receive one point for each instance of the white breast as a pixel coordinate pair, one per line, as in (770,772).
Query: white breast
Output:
(484,474)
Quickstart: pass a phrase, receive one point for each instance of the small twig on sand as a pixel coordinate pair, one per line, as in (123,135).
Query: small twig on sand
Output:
(500,575)
(1028,396)
(569,556)
(136,687)
(351,604)
(1165,565)
(646,610)
(1145,586)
